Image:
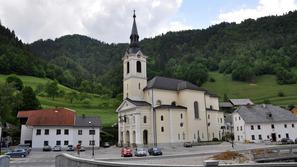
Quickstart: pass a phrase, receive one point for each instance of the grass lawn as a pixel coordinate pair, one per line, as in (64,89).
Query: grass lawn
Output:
(265,88)
(98,106)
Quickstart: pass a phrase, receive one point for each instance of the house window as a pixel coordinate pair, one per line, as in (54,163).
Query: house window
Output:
(162,117)
(181,124)
(162,129)
(139,86)
(45,143)
(138,66)
(38,132)
(287,135)
(66,131)
(46,131)
(91,132)
(58,142)
(272,126)
(184,136)
(79,142)
(181,116)
(66,142)
(144,119)
(268,136)
(237,128)
(253,137)
(58,132)
(259,127)
(178,136)
(252,127)
(91,142)
(238,138)
(240,128)
(279,136)
(293,125)
(285,125)
(196,110)
(221,120)
(260,137)
(79,132)
(128,67)
(208,116)
(238,118)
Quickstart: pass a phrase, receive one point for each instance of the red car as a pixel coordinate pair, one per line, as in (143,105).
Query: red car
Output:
(126,152)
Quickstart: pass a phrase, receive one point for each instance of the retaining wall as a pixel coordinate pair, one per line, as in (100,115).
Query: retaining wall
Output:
(66,160)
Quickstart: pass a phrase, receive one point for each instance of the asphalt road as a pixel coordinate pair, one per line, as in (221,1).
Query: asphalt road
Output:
(47,159)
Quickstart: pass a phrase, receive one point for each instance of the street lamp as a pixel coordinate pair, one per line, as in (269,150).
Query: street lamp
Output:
(93,142)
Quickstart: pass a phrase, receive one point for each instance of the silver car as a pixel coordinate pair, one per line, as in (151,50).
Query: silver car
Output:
(140,152)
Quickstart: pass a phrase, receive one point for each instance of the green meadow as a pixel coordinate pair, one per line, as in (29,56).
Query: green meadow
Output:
(98,106)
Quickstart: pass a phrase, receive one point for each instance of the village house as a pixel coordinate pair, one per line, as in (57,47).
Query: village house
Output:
(163,110)
(256,123)
(58,126)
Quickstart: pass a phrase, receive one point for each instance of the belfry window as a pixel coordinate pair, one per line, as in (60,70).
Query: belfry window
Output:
(138,66)
(128,67)
(196,110)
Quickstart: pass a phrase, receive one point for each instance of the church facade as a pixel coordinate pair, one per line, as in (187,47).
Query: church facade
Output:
(163,110)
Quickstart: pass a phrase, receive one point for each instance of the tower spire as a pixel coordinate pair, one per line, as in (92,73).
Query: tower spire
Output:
(134,37)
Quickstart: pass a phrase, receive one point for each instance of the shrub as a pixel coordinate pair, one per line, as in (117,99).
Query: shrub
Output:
(215,139)
(212,80)
(281,94)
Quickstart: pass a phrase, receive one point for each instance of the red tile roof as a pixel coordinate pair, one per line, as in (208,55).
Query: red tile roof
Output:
(46,117)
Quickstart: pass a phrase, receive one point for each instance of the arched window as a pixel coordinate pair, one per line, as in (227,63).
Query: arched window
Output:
(128,67)
(162,117)
(159,102)
(196,110)
(138,66)
(144,119)
(173,103)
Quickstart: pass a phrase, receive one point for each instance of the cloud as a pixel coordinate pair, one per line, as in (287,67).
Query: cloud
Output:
(109,21)
(264,8)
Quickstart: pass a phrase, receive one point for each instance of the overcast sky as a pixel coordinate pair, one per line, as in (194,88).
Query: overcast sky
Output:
(111,20)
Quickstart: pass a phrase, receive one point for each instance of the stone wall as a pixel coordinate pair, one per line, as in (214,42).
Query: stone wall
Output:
(66,160)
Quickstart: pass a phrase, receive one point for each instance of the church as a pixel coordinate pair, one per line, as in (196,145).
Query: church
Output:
(163,110)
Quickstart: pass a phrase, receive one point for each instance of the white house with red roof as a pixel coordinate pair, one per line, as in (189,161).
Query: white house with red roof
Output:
(58,126)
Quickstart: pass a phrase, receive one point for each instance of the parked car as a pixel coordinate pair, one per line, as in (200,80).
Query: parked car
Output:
(82,148)
(126,152)
(57,148)
(70,148)
(47,148)
(106,144)
(140,152)
(296,141)
(287,141)
(26,147)
(17,153)
(155,151)
(187,144)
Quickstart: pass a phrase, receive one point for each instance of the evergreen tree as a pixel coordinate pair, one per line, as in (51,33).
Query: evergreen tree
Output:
(30,102)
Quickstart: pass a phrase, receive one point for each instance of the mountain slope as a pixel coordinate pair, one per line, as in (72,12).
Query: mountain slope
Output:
(252,48)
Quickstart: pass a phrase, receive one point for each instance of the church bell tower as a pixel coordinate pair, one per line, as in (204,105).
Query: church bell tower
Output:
(134,68)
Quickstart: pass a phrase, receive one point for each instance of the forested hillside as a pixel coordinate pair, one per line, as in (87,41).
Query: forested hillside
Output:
(252,48)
